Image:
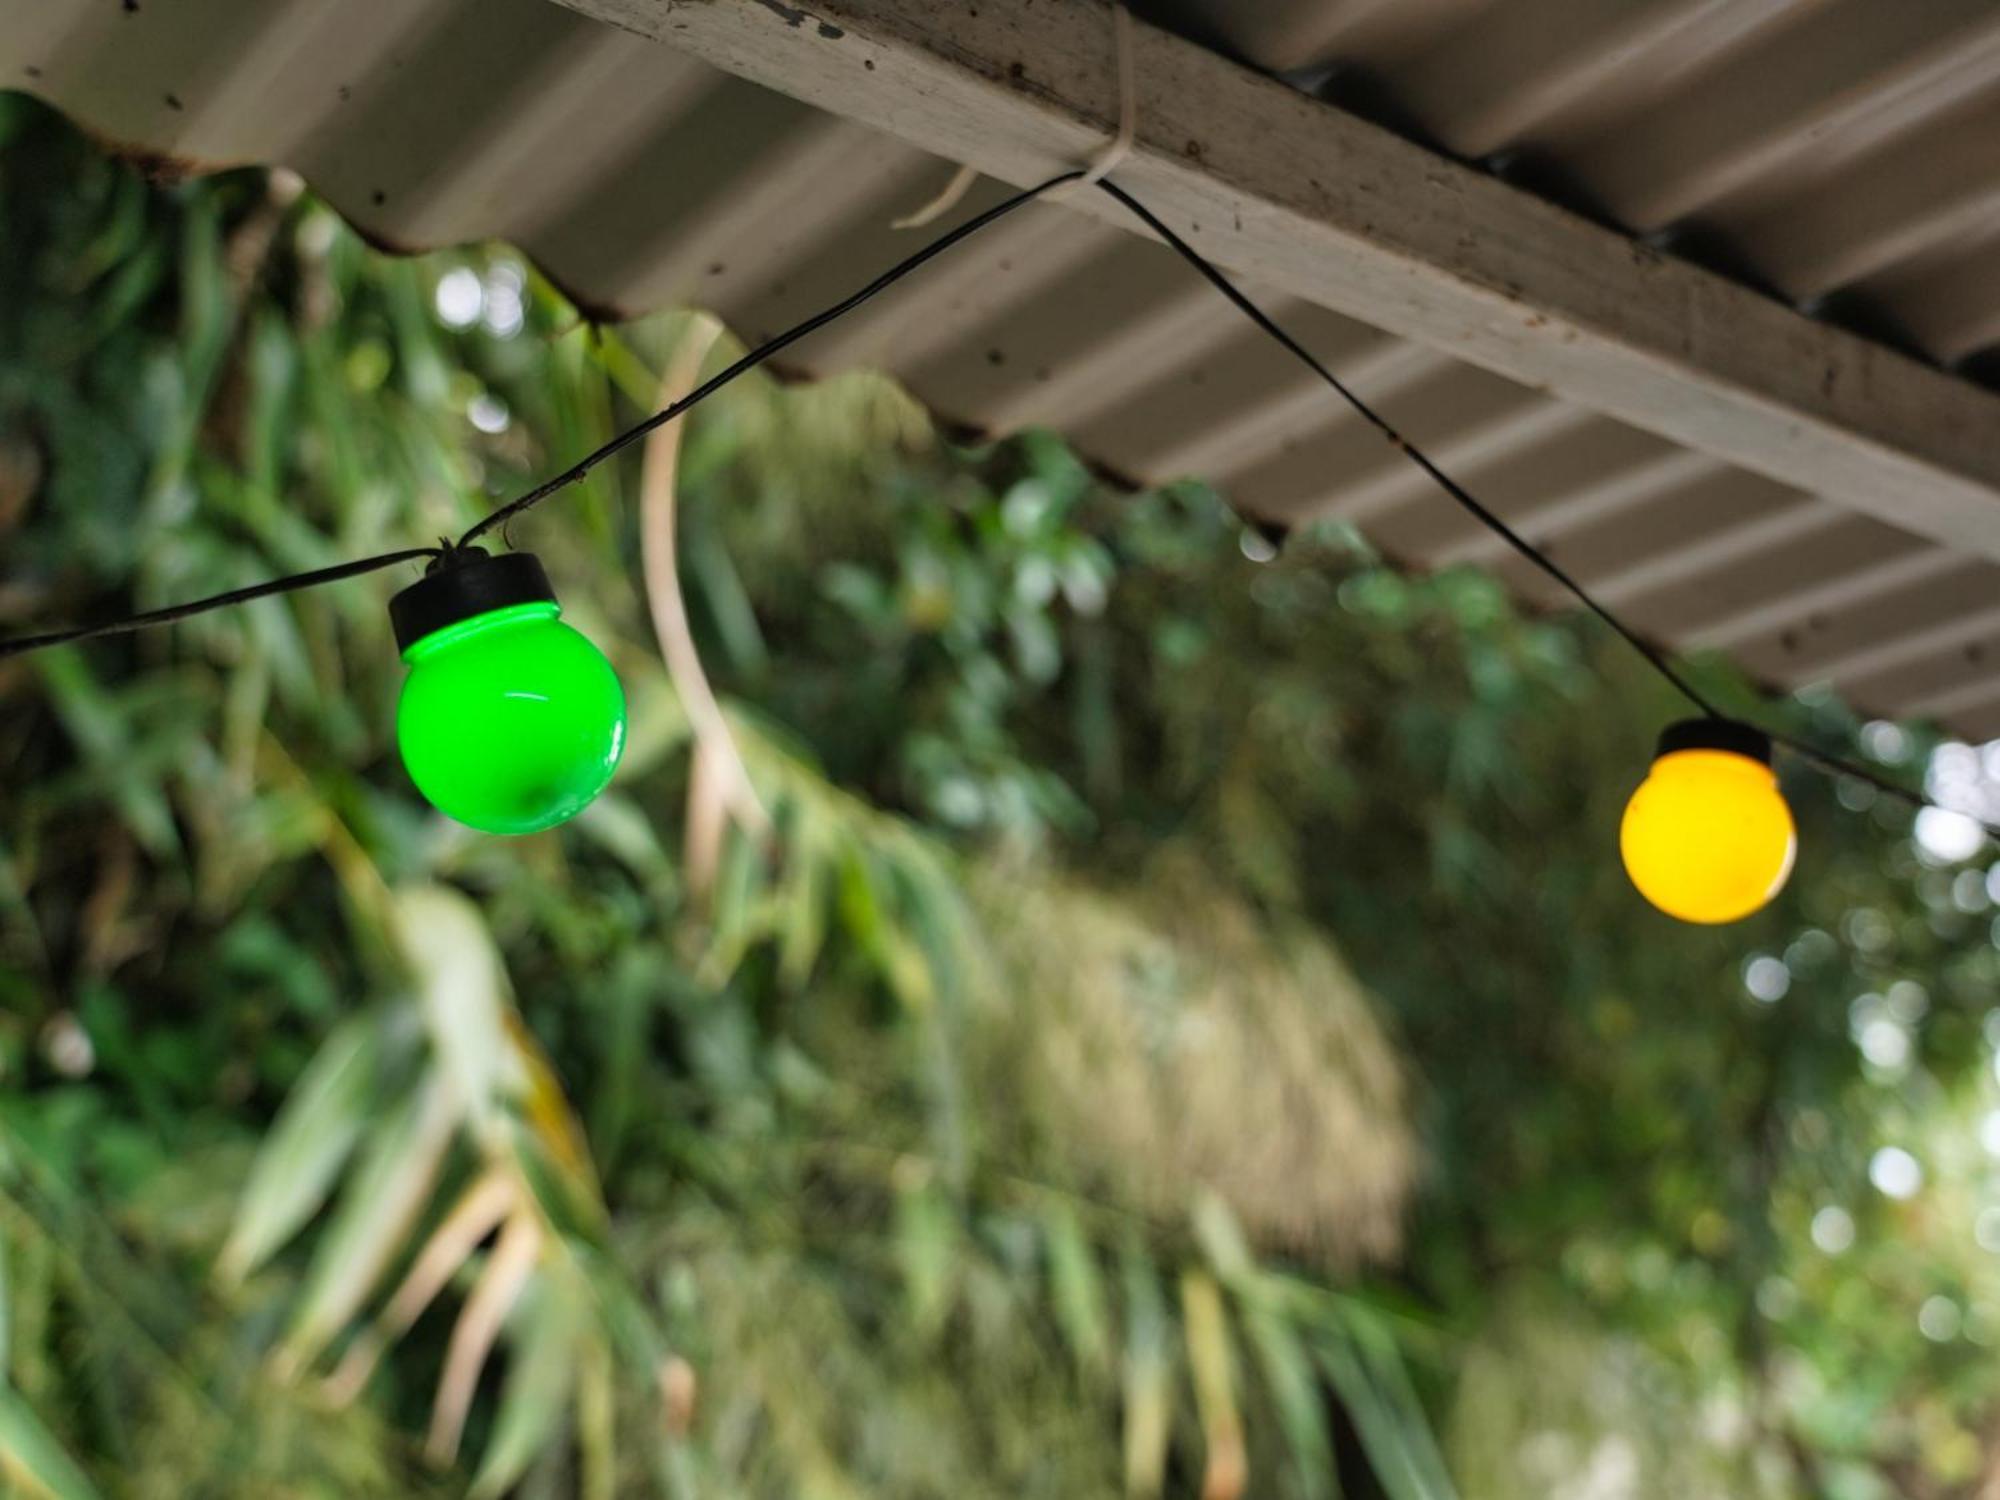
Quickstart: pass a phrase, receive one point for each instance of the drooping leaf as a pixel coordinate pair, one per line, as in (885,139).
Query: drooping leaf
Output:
(926,1235)
(1076,1288)
(1386,1366)
(462,990)
(1148,1375)
(806,883)
(32,1458)
(1297,1396)
(1384,1429)
(378,1211)
(6,1306)
(317,1128)
(597,1454)
(1212,1363)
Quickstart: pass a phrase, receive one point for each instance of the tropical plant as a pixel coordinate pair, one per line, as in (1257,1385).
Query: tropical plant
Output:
(801,1010)
(1146,1016)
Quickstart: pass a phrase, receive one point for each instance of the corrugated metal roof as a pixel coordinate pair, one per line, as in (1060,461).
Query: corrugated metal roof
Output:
(1842,153)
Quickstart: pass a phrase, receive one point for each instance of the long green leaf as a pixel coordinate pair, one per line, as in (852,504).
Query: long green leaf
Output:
(1149,1375)
(1379,1352)
(101,727)
(1295,1391)
(807,879)
(315,1131)
(1385,1431)
(1222,1240)
(32,1457)
(597,1453)
(926,1248)
(462,990)
(6,1308)
(377,1213)
(1077,1289)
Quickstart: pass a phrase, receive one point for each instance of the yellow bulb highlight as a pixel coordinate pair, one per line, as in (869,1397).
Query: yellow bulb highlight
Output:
(1707,837)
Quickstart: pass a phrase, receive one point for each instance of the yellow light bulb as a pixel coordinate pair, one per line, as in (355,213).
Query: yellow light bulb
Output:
(1707,837)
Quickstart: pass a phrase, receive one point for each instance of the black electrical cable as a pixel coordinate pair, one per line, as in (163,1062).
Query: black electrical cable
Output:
(1840,766)
(1444,481)
(1653,656)
(762,352)
(291,583)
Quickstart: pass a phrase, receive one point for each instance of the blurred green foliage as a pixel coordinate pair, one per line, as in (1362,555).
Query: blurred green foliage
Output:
(1187,1031)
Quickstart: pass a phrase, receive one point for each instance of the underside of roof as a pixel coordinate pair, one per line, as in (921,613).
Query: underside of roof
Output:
(1839,156)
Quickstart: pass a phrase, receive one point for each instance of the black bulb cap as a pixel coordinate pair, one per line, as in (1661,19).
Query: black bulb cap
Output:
(462,583)
(1716,734)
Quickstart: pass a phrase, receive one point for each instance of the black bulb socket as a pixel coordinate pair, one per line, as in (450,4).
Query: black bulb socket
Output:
(1732,735)
(462,583)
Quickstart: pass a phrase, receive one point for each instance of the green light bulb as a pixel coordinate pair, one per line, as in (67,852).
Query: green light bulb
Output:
(510,721)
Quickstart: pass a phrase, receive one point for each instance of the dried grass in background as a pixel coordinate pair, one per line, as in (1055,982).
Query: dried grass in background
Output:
(1170,1038)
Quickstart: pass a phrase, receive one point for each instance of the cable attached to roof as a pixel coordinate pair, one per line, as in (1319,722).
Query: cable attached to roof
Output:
(763,352)
(1101,166)
(1656,658)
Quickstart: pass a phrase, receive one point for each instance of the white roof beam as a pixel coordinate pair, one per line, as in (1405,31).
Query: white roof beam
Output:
(1296,195)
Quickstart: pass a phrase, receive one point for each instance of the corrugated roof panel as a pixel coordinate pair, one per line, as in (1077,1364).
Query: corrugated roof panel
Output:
(1837,151)
(1830,147)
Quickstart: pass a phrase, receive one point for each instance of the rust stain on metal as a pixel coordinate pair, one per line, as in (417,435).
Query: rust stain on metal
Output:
(162,167)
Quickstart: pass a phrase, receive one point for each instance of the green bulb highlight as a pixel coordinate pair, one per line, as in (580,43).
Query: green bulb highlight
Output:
(510,721)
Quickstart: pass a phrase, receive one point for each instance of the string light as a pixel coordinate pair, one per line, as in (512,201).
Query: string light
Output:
(1683,837)
(1708,837)
(510,721)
